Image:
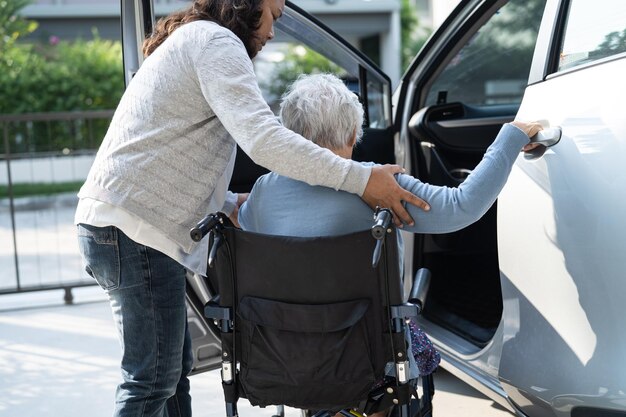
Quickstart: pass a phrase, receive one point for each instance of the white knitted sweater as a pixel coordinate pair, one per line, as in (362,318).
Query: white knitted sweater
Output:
(176,127)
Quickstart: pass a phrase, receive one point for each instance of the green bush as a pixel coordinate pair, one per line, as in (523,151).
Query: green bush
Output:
(59,76)
(39,188)
(63,76)
(12,25)
(66,76)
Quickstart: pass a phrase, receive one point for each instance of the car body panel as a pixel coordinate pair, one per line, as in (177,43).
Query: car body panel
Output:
(561,237)
(137,21)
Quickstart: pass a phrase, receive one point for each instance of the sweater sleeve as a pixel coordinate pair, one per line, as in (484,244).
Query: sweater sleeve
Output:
(455,208)
(228,83)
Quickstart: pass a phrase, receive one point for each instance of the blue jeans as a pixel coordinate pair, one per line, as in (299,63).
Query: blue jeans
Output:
(146,290)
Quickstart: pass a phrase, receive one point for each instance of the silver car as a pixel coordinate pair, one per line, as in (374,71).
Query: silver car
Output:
(528,305)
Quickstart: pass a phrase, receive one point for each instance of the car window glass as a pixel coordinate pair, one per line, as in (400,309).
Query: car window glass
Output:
(377,114)
(300,48)
(493,67)
(281,62)
(593,30)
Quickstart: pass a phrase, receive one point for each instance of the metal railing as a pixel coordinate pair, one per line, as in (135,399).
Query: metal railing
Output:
(44,157)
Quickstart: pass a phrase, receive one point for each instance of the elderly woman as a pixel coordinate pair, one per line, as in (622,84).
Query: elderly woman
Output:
(321,108)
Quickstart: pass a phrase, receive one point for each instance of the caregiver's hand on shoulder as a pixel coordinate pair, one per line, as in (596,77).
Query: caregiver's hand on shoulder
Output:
(383,190)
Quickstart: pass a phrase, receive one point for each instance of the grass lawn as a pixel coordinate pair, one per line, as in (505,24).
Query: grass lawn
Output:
(39,188)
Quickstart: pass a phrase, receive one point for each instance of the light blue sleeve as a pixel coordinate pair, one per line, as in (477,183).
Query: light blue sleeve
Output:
(243,216)
(246,217)
(451,208)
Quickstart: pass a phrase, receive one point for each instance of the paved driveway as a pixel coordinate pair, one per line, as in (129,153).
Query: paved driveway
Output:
(62,361)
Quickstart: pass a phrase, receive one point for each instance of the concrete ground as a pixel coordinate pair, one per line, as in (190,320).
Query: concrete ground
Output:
(62,361)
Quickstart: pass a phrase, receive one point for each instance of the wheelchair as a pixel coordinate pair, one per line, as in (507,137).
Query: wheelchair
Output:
(312,323)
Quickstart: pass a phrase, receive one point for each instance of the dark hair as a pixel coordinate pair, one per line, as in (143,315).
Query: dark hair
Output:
(242,17)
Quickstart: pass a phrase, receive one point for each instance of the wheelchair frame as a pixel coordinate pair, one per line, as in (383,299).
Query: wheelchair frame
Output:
(402,395)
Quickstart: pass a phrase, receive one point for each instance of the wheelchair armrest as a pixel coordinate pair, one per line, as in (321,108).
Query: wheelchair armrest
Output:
(222,315)
(419,291)
(213,310)
(405,311)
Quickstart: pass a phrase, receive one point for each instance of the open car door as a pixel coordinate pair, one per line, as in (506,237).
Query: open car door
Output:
(302,44)
(465,83)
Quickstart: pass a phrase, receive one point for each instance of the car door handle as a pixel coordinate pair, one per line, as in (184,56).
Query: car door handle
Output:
(546,138)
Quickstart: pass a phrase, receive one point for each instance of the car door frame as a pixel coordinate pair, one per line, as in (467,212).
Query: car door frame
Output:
(426,65)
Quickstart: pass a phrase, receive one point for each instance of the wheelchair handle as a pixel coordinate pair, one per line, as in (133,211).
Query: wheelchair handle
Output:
(419,291)
(204,226)
(382,220)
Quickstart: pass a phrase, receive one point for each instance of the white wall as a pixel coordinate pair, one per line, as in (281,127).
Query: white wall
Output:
(47,170)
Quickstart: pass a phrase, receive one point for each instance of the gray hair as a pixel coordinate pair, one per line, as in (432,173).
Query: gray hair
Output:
(322,109)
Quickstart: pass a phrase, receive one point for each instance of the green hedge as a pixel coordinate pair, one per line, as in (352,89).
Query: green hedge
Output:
(58,76)
(30,189)
(61,76)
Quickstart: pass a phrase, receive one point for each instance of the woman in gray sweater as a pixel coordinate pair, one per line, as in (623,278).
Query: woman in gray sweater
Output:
(166,162)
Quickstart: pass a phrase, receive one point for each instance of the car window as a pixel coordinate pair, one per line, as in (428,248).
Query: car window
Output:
(593,30)
(281,62)
(493,67)
(300,48)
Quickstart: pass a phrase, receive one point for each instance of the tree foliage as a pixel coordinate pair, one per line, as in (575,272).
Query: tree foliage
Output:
(500,52)
(412,35)
(12,25)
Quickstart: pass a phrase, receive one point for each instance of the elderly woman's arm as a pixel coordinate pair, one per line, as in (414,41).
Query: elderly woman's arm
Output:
(455,208)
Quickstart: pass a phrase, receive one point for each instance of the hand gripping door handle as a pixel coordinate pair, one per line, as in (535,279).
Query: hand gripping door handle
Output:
(546,138)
